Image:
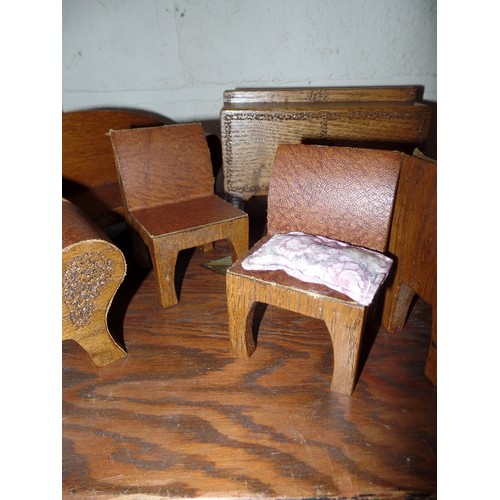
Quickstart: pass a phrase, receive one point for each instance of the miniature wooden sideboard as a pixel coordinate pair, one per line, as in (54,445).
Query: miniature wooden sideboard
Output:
(255,121)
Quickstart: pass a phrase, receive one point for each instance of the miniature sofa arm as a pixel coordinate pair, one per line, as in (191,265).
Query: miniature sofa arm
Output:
(92,270)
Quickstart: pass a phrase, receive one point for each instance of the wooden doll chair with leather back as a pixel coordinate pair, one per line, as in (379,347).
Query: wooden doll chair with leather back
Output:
(340,193)
(167,185)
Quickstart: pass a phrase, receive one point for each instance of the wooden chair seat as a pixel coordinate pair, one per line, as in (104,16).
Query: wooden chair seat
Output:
(167,187)
(185,215)
(340,193)
(92,270)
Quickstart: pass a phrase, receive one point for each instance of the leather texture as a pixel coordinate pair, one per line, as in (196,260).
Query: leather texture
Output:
(341,193)
(190,214)
(165,164)
(77,226)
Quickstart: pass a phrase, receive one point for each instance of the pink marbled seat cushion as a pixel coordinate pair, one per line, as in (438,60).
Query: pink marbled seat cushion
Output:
(354,271)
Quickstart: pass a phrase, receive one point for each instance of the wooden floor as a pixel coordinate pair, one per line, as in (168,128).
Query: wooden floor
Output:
(181,417)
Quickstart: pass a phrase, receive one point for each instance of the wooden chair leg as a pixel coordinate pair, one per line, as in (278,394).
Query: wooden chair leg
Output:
(140,251)
(164,261)
(431,362)
(346,327)
(241,306)
(397,303)
(396,306)
(208,247)
(238,236)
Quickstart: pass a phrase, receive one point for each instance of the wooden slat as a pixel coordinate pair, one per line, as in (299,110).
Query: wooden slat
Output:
(404,93)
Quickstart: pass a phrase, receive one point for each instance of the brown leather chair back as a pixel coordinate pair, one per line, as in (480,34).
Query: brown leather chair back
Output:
(160,165)
(338,192)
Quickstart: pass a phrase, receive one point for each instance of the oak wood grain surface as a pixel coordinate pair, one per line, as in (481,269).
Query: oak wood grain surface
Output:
(182,417)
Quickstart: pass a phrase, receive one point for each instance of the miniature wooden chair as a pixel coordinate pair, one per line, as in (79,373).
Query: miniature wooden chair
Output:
(92,270)
(340,193)
(167,185)
(413,243)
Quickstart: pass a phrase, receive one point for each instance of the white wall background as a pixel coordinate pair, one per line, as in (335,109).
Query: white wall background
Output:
(176,57)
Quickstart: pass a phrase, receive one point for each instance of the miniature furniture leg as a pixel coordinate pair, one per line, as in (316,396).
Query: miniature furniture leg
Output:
(345,324)
(431,362)
(97,342)
(241,306)
(164,260)
(208,247)
(166,249)
(346,329)
(399,299)
(237,234)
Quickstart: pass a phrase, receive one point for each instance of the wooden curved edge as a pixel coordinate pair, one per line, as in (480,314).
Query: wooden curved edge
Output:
(91,331)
